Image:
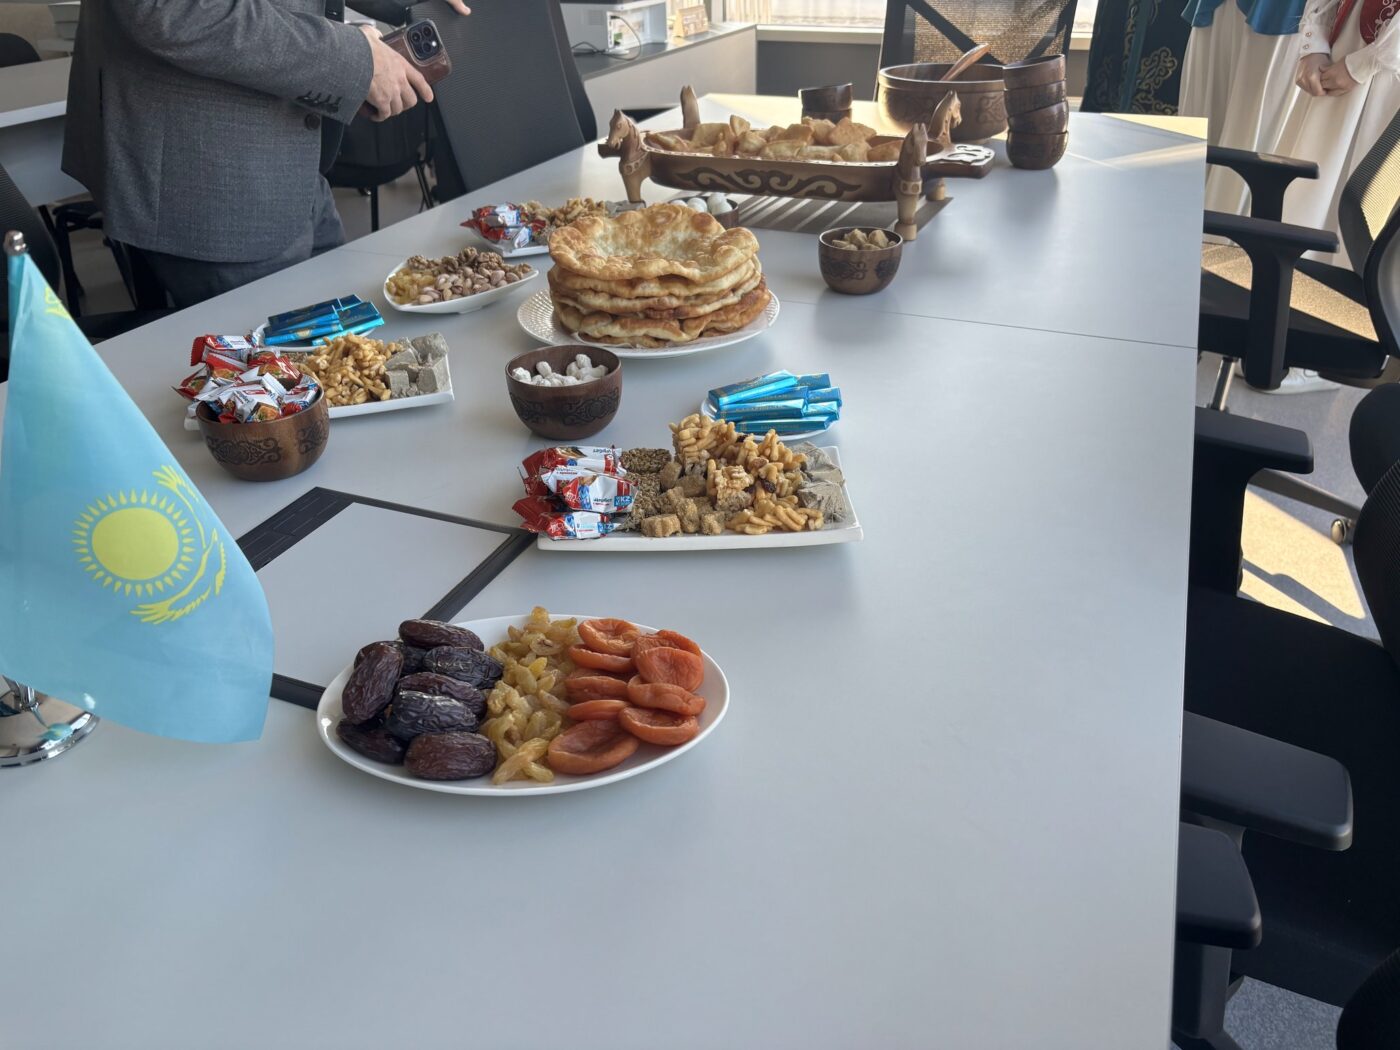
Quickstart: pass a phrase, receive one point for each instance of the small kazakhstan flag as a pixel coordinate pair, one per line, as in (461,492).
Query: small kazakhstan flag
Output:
(120,590)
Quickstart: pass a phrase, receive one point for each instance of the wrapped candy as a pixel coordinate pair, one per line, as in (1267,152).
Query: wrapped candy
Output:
(541,515)
(580,489)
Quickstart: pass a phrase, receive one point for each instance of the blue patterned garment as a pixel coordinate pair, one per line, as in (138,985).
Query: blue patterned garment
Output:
(1269,17)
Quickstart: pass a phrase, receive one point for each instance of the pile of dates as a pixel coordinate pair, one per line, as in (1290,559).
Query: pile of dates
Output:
(418,700)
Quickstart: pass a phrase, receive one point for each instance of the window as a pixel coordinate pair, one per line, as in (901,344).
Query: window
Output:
(866,13)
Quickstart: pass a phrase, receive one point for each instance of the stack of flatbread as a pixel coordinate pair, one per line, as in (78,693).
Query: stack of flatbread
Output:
(844,141)
(655,277)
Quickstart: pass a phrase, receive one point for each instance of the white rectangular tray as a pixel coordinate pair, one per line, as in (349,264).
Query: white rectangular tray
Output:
(369,408)
(848,531)
(481,243)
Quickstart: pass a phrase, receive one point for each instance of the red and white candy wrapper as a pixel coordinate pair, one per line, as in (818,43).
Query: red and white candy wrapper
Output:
(508,225)
(589,457)
(540,515)
(228,346)
(580,489)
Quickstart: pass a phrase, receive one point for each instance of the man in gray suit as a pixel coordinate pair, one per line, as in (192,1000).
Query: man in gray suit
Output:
(196,126)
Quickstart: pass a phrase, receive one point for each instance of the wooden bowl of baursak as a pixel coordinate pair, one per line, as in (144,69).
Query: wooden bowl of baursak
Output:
(1048,121)
(566,413)
(1034,72)
(1035,152)
(857,271)
(1023,100)
(271,451)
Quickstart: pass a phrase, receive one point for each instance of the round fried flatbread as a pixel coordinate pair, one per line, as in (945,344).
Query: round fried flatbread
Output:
(661,240)
(651,332)
(667,306)
(652,287)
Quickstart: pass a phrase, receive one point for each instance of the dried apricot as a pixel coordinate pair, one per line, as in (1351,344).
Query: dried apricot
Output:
(590,747)
(601,661)
(664,697)
(608,636)
(663,640)
(673,666)
(594,687)
(659,727)
(595,710)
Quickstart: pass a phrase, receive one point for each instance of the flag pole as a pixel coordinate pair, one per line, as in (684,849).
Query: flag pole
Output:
(33,726)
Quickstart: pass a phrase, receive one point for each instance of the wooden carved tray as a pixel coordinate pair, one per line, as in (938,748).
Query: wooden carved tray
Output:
(927,158)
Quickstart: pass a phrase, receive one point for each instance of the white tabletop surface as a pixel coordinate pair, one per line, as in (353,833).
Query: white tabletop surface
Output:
(942,811)
(34,91)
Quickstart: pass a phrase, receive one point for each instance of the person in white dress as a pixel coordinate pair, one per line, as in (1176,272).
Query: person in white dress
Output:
(1349,80)
(1238,74)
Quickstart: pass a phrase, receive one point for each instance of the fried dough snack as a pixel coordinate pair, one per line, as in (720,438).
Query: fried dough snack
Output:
(652,242)
(527,706)
(847,141)
(350,368)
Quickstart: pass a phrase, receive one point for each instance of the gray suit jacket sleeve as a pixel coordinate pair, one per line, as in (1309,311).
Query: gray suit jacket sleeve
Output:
(306,58)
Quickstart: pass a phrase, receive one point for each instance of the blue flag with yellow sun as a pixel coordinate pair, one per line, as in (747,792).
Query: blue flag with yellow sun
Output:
(120,590)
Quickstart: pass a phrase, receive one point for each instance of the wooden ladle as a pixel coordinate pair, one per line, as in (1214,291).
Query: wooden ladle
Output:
(966,62)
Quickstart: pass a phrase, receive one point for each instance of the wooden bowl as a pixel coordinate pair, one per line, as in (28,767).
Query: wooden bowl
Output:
(728,220)
(1048,121)
(1026,149)
(853,271)
(271,451)
(1023,100)
(566,413)
(826,103)
(1034,72)
(908,95)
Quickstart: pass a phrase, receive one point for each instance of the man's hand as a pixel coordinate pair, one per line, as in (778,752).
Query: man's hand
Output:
(1309,77)
(1337,79)
(396,86)
(459,7)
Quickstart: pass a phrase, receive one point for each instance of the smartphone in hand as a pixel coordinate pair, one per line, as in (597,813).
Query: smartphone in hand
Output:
(424,49)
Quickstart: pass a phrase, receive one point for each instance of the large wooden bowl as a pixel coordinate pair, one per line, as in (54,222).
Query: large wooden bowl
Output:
(271,451)
(908,94)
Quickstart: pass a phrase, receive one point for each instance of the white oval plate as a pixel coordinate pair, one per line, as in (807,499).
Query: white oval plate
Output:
(536,316)
(715,690)
(464,305)
(803,435)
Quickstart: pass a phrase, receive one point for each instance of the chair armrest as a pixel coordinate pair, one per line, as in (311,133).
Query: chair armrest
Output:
(1268,176)
(1229,451)
(1247,231)
(1215,901)
(1273,249)
(1255,782)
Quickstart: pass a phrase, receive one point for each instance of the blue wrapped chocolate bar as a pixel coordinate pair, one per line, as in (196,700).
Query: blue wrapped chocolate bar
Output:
(781,401)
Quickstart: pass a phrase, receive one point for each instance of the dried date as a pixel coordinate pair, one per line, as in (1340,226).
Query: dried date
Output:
(433,634)
(413,714)
(450,756)
(465,665)
(412,655)
(372,741)
(371,683)
(441,685)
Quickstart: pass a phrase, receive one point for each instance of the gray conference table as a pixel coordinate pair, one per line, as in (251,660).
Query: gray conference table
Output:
(942,811)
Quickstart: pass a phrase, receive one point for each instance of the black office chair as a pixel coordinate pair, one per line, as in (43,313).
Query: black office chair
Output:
(16,213)
(374,153)
(514,98)
(920,31)
(1340,322)
(1371,1018)
(1331,919)
(1135,58)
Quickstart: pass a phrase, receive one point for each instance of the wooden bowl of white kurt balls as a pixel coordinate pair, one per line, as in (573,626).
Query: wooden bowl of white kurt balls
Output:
(565,393)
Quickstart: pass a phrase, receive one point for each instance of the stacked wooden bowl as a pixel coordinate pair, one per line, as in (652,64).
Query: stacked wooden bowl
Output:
(1037,112)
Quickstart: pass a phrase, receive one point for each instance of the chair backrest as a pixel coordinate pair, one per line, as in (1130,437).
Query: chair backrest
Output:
(513,97)
(1368,200)
(16,51)
(941,30)
(1371,1018)
(16,213)
(1377,552)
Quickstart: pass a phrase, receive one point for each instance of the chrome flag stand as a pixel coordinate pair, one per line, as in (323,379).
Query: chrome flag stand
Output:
(34,727)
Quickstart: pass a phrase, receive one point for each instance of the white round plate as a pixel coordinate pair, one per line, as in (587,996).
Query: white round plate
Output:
(802,435)
(536,316)
(715,690)
(464,305)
